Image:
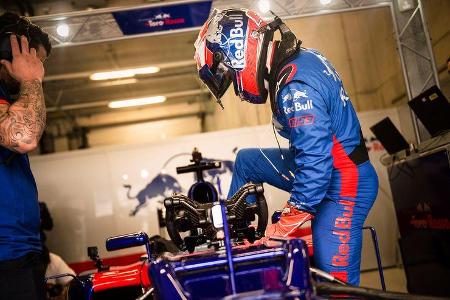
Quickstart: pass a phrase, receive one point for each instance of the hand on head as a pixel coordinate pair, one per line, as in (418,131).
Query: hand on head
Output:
(25,65)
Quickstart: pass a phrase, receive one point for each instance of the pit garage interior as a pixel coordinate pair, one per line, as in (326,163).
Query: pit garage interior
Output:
(97,167)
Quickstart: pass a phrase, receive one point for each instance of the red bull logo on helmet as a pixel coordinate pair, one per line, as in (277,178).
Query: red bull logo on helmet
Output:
(236,41)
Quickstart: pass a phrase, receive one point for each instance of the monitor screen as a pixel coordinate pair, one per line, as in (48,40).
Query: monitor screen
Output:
(433,110)
(389,136)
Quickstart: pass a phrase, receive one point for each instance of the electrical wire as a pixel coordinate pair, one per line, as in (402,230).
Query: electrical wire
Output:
(281,155)
(273,166)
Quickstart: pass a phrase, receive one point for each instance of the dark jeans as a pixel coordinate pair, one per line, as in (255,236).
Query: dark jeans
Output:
(22,278)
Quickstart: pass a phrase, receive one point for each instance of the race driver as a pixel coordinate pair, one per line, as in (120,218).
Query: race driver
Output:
(326,168)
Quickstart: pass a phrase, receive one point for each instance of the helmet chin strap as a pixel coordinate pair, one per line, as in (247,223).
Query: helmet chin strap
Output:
(282,52)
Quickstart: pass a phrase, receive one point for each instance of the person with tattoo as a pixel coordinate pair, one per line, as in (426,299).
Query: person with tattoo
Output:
(22,122)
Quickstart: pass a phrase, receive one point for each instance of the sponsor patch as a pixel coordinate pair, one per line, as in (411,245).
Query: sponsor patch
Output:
(298,107)
(295,96)
(301,121)
(343,224)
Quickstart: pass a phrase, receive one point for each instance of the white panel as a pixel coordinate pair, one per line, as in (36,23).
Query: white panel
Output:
(382,215)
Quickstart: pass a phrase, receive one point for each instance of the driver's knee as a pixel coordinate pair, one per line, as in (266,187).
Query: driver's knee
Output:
(245,158)
(244,155)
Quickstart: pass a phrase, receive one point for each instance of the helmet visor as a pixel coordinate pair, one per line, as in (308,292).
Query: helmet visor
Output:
(217,79)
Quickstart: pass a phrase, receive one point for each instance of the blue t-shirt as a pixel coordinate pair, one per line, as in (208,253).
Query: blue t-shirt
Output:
(19,207)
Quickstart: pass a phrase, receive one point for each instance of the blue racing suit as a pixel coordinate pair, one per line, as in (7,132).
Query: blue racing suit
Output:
(326,168)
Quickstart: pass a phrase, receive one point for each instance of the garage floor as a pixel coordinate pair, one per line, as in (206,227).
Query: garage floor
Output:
(394,277)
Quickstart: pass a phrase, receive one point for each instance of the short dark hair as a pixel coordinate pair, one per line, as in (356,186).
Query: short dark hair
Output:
(10,22)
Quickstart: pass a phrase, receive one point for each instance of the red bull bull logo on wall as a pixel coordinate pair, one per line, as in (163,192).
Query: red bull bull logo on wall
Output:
(164,185)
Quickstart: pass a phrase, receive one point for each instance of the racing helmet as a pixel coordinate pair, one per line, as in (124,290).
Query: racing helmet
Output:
(232,48)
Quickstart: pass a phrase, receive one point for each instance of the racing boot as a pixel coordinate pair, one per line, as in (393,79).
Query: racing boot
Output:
(290,226)
(290,223)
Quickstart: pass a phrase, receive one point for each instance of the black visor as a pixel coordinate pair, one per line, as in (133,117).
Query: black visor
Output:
(217,79)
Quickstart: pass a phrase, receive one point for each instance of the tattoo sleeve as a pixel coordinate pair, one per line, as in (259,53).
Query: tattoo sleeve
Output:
(23,122)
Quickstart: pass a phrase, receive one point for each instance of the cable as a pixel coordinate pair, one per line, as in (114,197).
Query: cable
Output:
(274,167)
(281,153)
(276,138)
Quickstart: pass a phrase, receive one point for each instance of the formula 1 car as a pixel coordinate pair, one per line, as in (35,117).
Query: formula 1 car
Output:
(216,257)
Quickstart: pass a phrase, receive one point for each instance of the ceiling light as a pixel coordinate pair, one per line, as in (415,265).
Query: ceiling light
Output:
(111,75)
(63,30)
(144,173)
(117,82)
(123,73)
(146,70)
(264,6)
(137,102)
(325,2)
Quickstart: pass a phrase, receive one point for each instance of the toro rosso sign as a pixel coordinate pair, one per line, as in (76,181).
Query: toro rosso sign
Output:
(163,18)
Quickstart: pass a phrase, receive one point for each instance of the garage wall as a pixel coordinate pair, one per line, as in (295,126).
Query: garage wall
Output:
(144,132)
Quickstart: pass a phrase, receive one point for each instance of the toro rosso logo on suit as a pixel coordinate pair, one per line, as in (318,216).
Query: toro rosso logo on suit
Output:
(301,121)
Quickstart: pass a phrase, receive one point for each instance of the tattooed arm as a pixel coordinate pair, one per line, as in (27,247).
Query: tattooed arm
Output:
(22,123)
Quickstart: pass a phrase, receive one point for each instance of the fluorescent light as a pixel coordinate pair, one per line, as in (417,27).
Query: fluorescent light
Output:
(264,6)
(325,2)
(123,73)
(111,75)
(146,70)
(117,82)
(63,30)
(136,102)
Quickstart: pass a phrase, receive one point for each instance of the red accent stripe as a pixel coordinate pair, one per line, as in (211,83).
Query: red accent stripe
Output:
(123,260)
(341,275)
(347,169)
(2,101)
(292,73)
(208,57)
